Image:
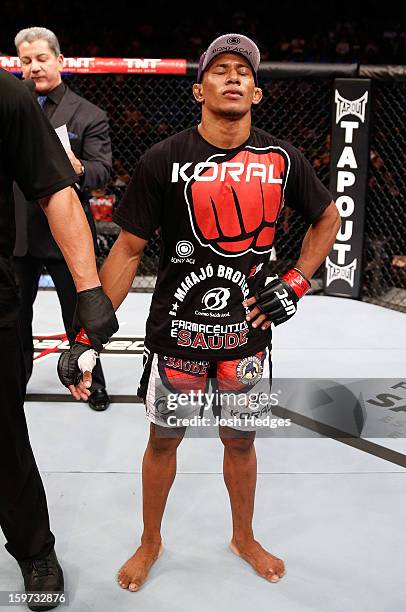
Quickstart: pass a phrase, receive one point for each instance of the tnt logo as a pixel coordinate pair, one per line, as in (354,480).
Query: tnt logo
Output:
(9,62)
(141,64)
(78,62)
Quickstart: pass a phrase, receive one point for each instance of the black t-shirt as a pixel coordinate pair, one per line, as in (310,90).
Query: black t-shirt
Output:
(30,154)
(217,210)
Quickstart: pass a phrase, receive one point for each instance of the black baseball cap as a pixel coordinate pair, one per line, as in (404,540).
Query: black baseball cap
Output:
(231,43)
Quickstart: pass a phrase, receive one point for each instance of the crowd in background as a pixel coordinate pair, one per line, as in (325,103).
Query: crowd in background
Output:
(299,32)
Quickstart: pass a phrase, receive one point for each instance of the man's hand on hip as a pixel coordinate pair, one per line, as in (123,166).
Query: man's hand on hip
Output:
(277,301)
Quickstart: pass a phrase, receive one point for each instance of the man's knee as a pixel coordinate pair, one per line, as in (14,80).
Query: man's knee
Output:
(237,441)
(165,439)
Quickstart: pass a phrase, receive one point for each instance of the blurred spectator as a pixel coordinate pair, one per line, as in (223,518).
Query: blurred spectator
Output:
(172,30)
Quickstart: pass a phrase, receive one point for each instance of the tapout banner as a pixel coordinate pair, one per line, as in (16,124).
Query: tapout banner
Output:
(348,182)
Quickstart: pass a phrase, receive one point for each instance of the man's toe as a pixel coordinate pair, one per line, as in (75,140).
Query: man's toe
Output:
(122,580)
(134,586)
(282,569)
(271,576)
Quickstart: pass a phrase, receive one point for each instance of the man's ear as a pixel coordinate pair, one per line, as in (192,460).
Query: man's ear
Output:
(60,62)
(257,97)
(198,92)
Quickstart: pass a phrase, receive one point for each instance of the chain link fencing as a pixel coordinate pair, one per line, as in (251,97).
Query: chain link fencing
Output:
(144,109)
(385,222)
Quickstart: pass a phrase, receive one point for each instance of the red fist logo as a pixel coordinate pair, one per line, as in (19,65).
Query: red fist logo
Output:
(235,204)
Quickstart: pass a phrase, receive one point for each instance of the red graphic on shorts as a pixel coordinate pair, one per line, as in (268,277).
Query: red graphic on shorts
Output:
(182,375)
(237,209)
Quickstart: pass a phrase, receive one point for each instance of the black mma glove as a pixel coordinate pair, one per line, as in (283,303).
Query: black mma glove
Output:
(94,312)
(80,358)
(278,299)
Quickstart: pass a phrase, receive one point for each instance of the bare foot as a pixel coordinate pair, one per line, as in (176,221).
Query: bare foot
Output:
(135,571)
(266,565)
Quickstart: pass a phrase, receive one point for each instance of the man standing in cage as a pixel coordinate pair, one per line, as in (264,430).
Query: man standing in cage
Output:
(216,191)
(90,156)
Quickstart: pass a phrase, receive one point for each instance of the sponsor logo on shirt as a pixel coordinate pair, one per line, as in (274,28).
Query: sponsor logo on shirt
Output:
(216,299)
(184,248)
(222,172)
(202,274)
(234,204)
(255,269)
(209,337)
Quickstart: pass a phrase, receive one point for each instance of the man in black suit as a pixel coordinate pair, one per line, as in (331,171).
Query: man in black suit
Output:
(88,130)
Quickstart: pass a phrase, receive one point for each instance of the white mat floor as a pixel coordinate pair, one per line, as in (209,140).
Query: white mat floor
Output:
(335,514)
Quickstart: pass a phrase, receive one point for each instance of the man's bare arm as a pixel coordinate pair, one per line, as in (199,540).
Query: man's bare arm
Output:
(316,245)
(121,265)
(319,240)
(71,231)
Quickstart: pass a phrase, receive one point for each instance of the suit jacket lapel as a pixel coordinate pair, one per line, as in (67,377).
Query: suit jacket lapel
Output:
(65,109)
